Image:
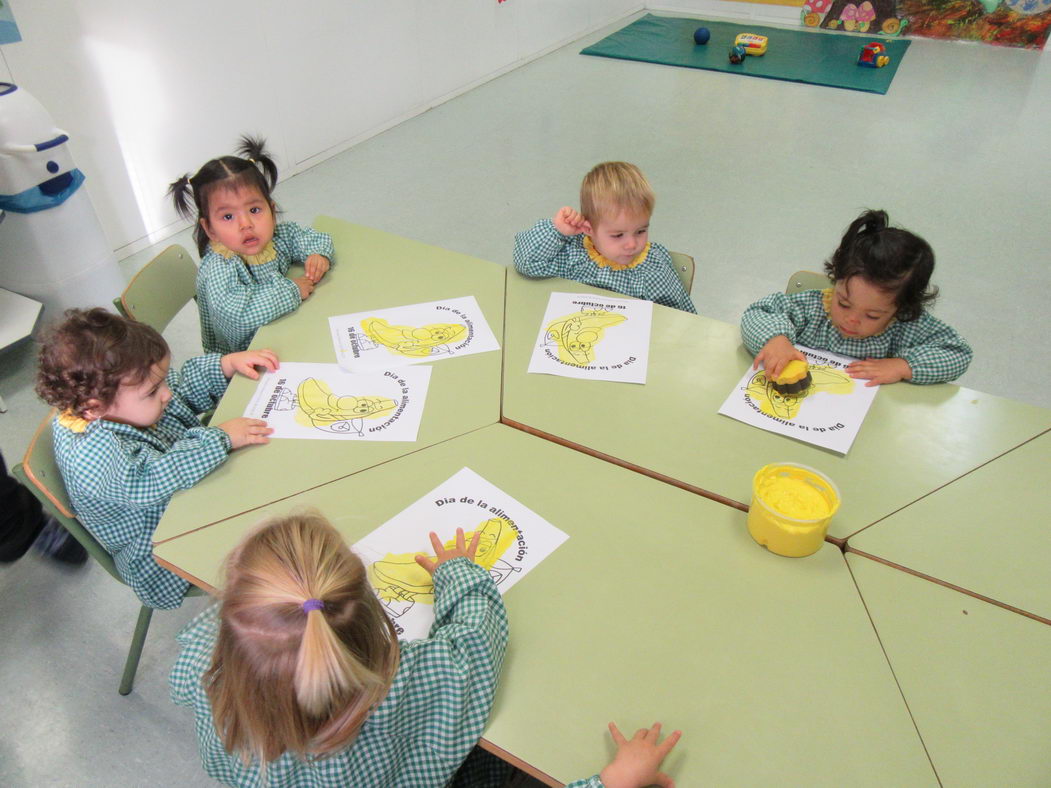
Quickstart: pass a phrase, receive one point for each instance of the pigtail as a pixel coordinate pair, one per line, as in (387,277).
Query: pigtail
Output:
(869,223)
(182,198)
(254,149)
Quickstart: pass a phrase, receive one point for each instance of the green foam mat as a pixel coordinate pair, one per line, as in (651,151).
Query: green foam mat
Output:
(812,56)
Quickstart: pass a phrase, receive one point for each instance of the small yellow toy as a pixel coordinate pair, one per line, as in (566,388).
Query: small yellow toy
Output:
(753,44)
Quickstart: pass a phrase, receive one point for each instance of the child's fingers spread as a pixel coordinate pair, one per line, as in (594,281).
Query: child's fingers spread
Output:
(618,737)
(436,543)
(654,733)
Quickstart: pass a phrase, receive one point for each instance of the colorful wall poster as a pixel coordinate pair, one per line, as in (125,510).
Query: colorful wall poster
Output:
(1018,23)
(829,413)
(413,334)
(594,337)
(514,540)
(324,402)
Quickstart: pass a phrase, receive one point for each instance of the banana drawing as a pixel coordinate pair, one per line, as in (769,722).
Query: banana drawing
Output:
(398,578)
(576,335)
(413,342)
(320,408)
(786,406)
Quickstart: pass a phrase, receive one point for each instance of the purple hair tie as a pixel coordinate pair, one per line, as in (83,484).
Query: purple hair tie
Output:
(313,604)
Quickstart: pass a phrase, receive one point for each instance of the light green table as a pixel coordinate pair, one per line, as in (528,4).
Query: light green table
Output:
(975,677)
(914,440)
(373,270)
(988,532)
(659,606)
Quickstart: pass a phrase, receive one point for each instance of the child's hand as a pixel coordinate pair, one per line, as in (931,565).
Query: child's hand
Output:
(775,354)
(880,370)
(637,762)
(246,361)
(244,431)
(569,222)
(444,555)
(316,266)
(305,285)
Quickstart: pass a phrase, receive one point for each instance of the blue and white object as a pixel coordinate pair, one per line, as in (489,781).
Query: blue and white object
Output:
(52,247)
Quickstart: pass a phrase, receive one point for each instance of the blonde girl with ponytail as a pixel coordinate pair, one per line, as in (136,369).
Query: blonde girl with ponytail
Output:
(296,677)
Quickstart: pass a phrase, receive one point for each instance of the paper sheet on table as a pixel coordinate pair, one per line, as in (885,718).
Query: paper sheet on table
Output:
(594,337)
(323,402)
(413,334)
(514,540)
(829,414)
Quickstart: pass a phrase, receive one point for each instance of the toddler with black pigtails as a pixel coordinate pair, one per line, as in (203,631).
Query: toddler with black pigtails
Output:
(243,281)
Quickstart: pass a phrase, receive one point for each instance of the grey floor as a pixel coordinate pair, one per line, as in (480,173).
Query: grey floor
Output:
(755,178)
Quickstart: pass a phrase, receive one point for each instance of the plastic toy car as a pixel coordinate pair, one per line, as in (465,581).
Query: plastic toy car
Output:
(753,44)
(872,55)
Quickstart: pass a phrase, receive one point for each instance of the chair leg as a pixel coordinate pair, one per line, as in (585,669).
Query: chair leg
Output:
(142,626)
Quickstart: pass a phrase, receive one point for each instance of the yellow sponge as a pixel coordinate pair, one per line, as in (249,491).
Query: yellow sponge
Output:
(794,378)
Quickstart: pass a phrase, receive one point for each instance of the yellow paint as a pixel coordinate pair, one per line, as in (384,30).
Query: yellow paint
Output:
(318,407)
(399,577)
(791,508)
(786,406)
(577,334)
(411,341)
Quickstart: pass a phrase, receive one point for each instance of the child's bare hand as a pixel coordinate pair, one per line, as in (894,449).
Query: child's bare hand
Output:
(880,370)
(316,266)
(244,431)
(570,222)
(775,354)
(637,762)
(442,555)
(305,285)
(246,361)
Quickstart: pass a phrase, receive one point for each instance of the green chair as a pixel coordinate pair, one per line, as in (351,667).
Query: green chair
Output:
(160,289)
(684,267)
(39,472)
(806,280)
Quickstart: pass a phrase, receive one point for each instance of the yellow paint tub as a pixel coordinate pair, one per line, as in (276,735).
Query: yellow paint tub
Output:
(791,508)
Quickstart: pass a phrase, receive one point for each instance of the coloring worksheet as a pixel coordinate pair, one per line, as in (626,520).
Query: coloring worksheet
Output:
(829,413)
(323,402)
(387,338)
(513,540)
(594,337)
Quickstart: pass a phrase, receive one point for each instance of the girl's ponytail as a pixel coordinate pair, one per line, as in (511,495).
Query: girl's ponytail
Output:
(182,198)
(254,149)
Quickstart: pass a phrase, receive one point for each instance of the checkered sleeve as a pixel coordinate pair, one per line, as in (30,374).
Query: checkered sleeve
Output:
(668,288)
(197,640)
(590,782)
(296,243)
(772,316)
(457,666)
(144,476)
(235,308)
(934,351)
(201,382)
(540,251)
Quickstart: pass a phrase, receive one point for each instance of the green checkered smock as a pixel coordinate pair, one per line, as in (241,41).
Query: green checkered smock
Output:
(120,478)
(543,251)
(434,713)
(590,782)
(936,353)
(234,299)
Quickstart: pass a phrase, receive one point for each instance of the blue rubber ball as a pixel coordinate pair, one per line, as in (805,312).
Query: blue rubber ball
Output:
(701,35)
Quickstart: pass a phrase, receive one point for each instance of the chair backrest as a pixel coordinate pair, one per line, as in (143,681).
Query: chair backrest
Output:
(164,286)
(806,280)
(39,472)
(684,267)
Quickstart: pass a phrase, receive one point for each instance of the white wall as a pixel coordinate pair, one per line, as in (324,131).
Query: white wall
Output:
(727,9)
(151,89)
